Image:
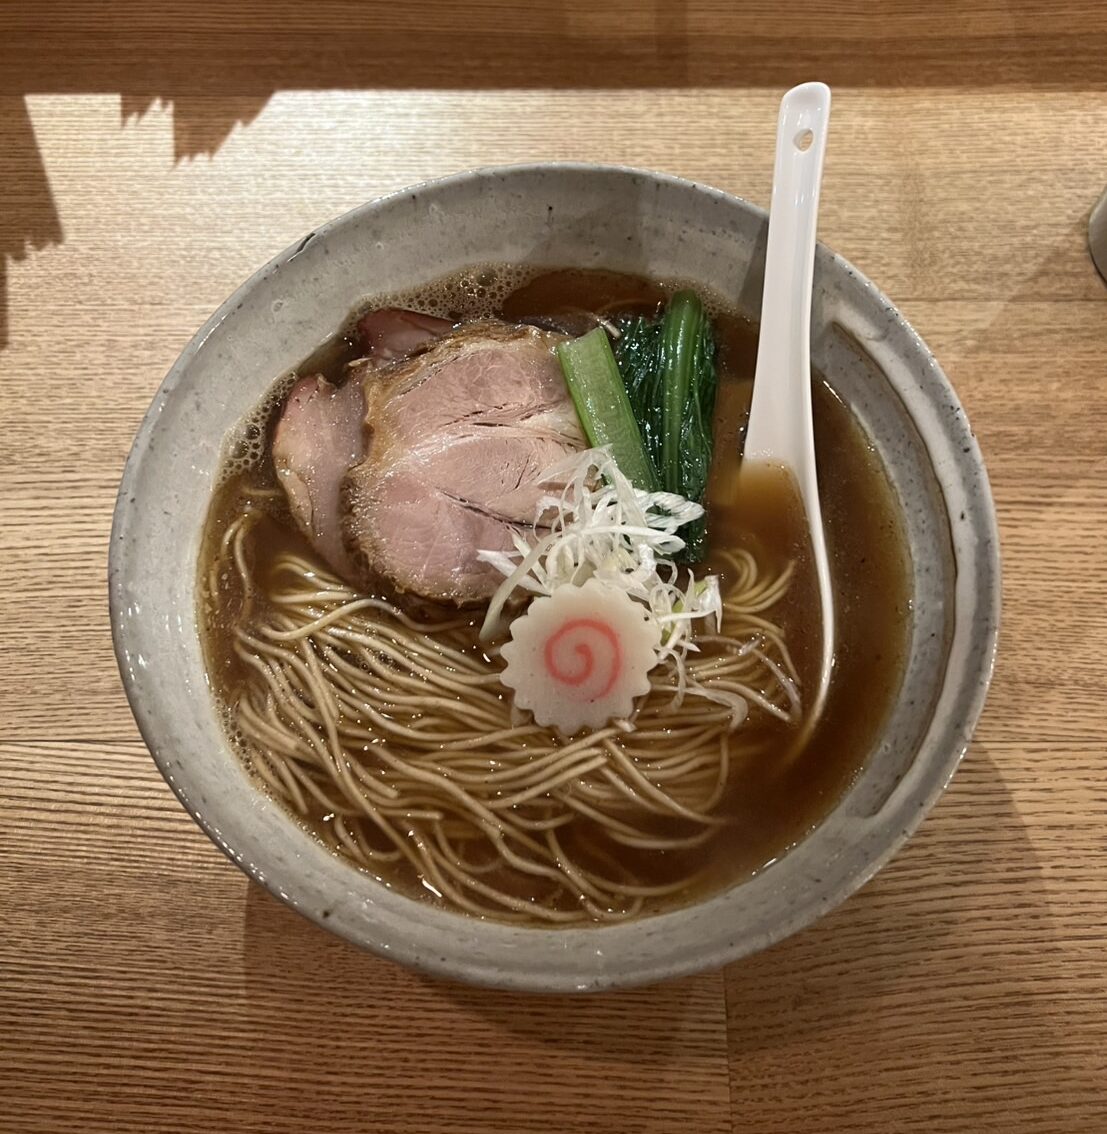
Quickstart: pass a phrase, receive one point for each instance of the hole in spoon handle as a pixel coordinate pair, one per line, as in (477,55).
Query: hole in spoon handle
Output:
(804,112)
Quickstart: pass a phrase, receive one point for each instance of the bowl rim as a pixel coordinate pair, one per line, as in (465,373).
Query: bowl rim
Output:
(519,976)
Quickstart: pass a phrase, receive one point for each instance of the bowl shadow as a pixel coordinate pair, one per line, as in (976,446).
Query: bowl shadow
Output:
(380,1043)
(907,976)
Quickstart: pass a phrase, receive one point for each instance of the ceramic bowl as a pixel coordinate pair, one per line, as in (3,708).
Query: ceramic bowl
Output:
(556,215)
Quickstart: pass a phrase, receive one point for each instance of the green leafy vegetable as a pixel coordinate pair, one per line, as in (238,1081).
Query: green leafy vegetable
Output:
(637,352)
(668,367)
(596,387)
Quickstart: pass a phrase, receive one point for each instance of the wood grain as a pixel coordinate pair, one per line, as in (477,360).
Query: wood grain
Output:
(153,156)
(184,46)
(151,988)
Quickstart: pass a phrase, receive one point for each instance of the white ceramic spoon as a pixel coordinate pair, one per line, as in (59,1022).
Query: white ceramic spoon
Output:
(780,429)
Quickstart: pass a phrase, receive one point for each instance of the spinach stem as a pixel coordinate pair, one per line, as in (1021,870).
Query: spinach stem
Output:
(680,333)
(603,407)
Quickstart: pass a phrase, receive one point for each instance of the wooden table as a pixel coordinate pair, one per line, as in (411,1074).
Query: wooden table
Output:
(151,156)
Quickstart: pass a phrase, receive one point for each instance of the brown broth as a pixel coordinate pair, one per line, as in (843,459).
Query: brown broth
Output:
(771,804)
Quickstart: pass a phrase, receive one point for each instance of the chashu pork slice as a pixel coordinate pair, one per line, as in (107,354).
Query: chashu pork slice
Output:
(318,437)
(456,442)
(320,433)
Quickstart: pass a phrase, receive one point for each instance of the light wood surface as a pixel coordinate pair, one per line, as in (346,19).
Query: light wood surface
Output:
(151,156)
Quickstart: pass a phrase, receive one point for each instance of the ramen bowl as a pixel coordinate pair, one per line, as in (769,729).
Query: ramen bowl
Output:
(555,215)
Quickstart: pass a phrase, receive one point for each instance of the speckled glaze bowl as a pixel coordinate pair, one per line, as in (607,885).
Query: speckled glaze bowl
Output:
(555,215)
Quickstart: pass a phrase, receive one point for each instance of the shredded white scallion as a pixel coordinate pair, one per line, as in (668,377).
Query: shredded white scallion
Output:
(601,527)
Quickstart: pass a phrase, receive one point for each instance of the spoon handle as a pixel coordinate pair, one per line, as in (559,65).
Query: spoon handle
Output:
(780,414)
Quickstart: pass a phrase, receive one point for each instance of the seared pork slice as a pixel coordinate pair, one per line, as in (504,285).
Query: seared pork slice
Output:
(488,374)
(394,332)
(320,431)
(457,439)
(317,439)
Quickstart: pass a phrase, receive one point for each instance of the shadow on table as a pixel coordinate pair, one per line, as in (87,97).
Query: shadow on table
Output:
(184,48)
(30,220)
(905,974)
(218,69)
(371,1042)
(218,66)
(289,957)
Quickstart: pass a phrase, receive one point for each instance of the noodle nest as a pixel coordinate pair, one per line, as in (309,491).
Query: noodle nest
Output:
(395,740)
